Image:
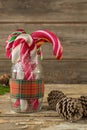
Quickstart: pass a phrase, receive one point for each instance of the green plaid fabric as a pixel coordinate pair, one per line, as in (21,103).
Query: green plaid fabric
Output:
(26,89)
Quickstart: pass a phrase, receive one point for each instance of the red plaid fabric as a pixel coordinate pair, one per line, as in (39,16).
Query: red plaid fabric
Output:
(24,89)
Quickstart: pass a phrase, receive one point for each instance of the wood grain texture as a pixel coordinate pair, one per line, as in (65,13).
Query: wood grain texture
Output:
(64,71)
(5,66)
(73,38)
(44,10)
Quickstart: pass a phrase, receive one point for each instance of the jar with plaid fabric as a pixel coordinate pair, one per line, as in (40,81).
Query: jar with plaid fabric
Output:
(26,95)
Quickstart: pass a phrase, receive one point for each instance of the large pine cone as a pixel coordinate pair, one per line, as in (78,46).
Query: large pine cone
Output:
(70,109)
(83,100)
(4,79)
(53,97)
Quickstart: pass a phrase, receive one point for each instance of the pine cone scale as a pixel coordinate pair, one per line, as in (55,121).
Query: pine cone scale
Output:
(83,100)
(54,97)
(71,109)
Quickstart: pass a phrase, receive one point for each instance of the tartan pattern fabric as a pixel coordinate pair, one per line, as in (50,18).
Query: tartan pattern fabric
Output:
(25,89)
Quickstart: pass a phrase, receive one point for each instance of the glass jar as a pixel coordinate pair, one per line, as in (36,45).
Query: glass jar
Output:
(26,95)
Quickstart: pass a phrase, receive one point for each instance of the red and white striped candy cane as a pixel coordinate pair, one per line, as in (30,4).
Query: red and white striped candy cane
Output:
(10,41)
(23,46)
(42,36)
(17,49)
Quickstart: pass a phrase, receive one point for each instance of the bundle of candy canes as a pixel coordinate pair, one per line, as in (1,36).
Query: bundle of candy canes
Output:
(22,48)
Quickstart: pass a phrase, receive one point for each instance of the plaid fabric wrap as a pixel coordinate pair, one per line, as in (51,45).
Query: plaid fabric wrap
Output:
(24,89)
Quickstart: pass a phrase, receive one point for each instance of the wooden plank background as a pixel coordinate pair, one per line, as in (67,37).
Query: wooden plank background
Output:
(68,19)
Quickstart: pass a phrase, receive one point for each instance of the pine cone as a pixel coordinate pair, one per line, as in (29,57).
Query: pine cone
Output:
(4,79)
(83,100)
(70,109)
(53,97)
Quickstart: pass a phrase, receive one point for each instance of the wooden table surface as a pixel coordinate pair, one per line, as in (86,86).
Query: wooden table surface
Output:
(45,119)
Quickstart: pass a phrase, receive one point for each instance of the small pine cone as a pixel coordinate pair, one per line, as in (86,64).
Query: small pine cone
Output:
(70,109)
(53,97)
(83,100)
(4,79)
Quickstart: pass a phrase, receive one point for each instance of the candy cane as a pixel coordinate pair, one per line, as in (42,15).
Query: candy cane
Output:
(42,36)
(24,47)
(10,41)
(21,49)
(14,56)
